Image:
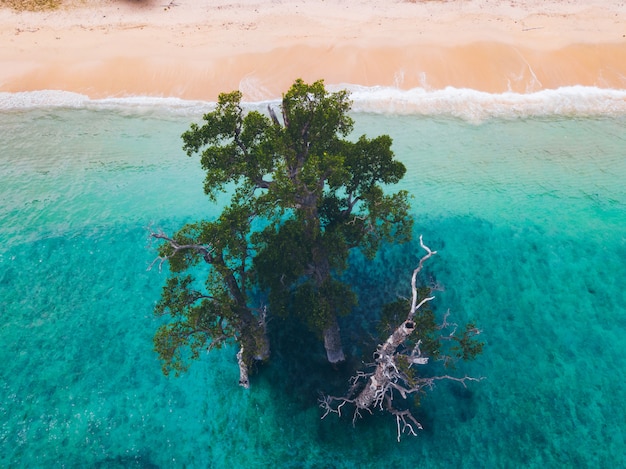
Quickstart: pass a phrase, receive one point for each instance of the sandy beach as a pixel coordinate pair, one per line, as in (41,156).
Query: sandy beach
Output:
(194,49)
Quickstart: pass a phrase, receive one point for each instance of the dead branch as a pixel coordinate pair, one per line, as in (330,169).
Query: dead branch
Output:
(414,305)
(391,373)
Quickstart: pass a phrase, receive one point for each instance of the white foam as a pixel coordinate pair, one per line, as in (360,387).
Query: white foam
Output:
(476,106)
(41,99)
(470,105)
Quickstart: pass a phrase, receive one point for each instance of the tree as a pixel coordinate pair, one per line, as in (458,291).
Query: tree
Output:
(413,342)
(211,315)
(303,196)
(313,195)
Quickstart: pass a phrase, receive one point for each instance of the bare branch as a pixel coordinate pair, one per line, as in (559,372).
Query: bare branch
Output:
(445,324)
(401,421)
(205,250)
(428,255)
(463,380)
(392,373)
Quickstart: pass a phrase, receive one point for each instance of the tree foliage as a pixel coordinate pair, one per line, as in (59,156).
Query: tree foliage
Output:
(304,192)
(315,194)
(208,314)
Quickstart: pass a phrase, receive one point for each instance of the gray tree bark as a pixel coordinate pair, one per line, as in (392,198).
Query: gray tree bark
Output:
(332,342)
(376,389)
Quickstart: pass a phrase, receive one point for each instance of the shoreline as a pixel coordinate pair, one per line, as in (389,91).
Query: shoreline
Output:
(196,50)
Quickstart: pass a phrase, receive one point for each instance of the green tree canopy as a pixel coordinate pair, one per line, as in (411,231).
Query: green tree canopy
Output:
(319,194)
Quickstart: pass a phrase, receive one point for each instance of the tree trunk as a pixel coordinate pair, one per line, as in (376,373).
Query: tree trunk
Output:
(332,342)
(385,371)
(244,381)
(320,274)
(255,344)
(262,351)
(262,342)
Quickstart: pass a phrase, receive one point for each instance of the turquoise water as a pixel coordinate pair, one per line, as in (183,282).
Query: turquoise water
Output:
(529,218)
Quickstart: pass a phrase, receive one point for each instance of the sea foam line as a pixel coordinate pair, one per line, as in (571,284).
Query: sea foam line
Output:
(467,104)
(476,106)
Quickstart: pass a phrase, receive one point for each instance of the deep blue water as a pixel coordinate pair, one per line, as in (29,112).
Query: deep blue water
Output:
(529,218)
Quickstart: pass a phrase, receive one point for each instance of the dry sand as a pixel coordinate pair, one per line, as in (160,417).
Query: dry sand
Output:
(194,49)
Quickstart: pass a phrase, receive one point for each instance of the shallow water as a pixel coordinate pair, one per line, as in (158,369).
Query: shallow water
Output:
(529,218)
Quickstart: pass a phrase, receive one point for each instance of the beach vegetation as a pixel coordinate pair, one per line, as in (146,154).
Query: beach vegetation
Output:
(31,5)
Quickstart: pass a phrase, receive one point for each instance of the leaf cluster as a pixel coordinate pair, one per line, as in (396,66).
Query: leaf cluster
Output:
(467,346)
(209,314)
(197,321)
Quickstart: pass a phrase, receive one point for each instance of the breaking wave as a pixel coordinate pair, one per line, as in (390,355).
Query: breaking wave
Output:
(466,104)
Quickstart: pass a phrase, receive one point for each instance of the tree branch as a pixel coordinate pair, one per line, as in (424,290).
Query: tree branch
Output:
(391,374)
(414,305)
(205,250)
(273,115)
